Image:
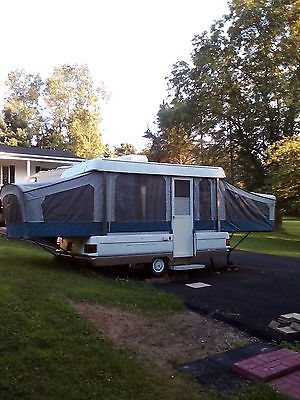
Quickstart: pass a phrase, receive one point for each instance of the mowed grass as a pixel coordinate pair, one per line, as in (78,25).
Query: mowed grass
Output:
(282,242)
(48,351)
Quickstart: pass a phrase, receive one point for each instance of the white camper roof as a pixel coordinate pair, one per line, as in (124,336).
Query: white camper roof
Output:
(140,166)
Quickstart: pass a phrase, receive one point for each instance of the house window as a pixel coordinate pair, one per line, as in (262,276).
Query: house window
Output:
(12,174)
(7,174)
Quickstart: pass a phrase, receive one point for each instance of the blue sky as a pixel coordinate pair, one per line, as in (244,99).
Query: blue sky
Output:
(130,46)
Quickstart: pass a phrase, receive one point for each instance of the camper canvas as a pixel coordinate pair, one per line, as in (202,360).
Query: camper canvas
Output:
(131,211)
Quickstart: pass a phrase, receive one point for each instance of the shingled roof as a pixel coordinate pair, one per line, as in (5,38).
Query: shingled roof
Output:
(36,151)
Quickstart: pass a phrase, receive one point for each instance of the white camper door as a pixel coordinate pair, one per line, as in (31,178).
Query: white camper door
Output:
(182,217)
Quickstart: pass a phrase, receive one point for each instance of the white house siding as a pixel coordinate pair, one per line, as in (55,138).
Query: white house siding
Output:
(21,170)
(18,164)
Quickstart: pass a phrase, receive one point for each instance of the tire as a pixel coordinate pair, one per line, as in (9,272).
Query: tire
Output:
(158,267)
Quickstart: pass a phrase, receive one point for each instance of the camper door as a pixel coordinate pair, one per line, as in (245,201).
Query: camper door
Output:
(182,217)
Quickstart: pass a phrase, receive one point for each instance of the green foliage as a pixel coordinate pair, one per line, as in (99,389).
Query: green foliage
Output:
(259,391)
(61,112)
(82,284)
(295,346)
(283,174)
(48,351)
(21,111)
(83,133)
(73,108)
(107,151)
(124,149)
(174,142)
(241,92)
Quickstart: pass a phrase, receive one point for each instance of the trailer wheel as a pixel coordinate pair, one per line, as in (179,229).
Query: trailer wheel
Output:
(158,267)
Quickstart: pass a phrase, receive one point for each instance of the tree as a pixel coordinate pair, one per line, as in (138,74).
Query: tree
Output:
(73,112)
(21,111)
(174,142)
(83,134)
(283,174)
(62,112)
(107,153)
(241,92)
(124,149)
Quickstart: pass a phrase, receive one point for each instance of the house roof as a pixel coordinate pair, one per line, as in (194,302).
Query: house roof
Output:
(33,152)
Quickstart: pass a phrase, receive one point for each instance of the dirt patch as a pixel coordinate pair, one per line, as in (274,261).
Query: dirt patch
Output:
(164,340)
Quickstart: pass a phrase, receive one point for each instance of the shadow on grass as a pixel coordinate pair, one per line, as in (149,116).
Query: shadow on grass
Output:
(114,287)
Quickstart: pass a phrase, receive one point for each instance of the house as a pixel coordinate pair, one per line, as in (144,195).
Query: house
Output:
(18,163)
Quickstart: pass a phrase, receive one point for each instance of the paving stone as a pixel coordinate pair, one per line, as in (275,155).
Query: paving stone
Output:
(290,317)
(287,330)
(296,326)
(216,371)
(288,384)
(269,366)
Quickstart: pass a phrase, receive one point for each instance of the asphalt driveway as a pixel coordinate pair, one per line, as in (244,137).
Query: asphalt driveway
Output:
(263,288)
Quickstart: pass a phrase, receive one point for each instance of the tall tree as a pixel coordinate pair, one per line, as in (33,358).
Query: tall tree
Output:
(21,111)
(83,134)
(283,174)
(62,112)
(174,141)
(73,113)
(241,92)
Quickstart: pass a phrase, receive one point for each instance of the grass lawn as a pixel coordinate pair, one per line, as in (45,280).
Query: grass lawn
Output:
(48,351)
(283,242)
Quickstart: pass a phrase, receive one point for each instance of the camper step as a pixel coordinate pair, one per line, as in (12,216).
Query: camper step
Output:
(186,267)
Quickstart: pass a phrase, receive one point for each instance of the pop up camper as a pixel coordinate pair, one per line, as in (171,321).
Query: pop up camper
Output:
(124,211)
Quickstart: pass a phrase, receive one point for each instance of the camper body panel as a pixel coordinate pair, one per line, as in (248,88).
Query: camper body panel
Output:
(115,249)
(112,212)
(211,241)
(132,244)
(118,249)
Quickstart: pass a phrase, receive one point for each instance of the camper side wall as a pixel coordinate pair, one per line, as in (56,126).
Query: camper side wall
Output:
(115,249)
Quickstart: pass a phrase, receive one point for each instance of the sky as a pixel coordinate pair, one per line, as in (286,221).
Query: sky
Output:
(129,46)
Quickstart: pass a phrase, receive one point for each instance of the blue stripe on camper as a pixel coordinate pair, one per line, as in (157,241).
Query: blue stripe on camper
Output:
(53,229)
(247,226)
(140,226)
(204,225)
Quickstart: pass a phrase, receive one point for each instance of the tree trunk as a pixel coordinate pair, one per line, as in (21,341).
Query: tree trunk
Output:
(278,217)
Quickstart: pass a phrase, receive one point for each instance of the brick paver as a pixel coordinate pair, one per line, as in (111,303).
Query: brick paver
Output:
(270,365)
(288,384)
